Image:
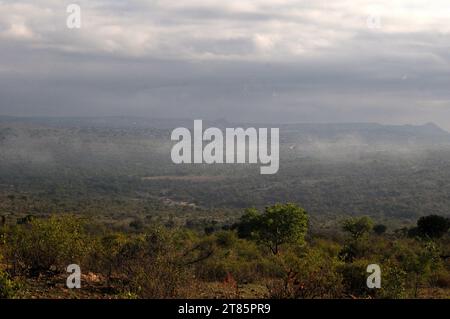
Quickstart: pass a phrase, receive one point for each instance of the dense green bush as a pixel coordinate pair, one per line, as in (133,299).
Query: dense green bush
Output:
(313,274)
(151,265)
(354,279)
(419,260)
(243,260)
(44,245)
(393,283)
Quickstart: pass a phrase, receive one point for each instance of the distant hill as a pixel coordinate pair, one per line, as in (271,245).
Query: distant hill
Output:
(368,133)
(302,133)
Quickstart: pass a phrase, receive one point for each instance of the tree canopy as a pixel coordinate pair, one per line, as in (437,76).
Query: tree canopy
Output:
(433,226)
(279,224)
(358,227)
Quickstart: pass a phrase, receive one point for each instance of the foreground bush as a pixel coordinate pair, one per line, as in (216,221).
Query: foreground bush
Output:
(8,287)
(46,245)
(149,264)
(161,262)
(311,275)
(241,259)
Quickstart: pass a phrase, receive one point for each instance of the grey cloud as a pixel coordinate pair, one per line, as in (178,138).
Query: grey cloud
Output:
(265,61)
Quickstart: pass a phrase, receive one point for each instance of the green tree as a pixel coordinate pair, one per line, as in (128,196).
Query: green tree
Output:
(279,224)
(358,227)
(356,247)
(433,226)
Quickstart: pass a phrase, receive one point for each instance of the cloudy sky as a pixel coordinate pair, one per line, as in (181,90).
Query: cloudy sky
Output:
(258,60)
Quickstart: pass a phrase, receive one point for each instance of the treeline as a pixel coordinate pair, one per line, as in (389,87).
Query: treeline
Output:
(272,251)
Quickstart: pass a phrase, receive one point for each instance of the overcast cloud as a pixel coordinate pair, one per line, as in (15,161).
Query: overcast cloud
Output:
(259,60)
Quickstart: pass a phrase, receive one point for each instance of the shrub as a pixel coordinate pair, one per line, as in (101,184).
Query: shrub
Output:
(8,287)
(107,258)
(226,239)
(354,250)
(433,226)
(393,282)
(151,266)
(419,260)
(354,278)
(243,260)
(45,245)
(313,275)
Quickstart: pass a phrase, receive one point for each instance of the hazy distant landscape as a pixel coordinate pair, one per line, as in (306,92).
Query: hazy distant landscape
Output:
(398,172)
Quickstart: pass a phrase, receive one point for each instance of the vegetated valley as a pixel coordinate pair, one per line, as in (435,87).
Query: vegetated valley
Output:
(103,193)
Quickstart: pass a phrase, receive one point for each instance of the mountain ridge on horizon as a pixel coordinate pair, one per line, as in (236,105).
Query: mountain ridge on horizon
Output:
(163,121)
